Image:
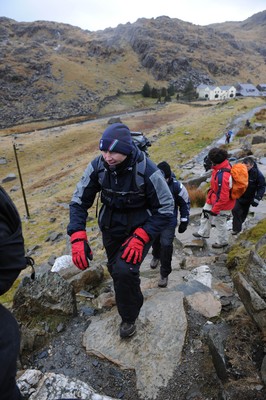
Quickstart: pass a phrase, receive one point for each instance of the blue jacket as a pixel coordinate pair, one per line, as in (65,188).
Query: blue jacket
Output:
(126,205)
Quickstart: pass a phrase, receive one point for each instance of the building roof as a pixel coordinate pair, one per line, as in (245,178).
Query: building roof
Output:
(247,89)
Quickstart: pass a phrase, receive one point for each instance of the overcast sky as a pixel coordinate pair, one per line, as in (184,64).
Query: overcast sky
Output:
(100,14)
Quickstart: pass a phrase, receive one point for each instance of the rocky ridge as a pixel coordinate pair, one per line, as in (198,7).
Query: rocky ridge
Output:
(53,71)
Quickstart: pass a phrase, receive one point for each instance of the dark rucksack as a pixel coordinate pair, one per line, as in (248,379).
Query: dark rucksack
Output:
(207,163)
(12,252)
(141,141)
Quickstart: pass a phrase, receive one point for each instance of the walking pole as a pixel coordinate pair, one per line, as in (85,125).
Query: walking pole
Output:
(21,182)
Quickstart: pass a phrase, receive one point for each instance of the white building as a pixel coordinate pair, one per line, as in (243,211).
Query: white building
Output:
(208,92)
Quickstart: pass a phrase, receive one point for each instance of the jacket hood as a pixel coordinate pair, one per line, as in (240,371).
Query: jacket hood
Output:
(224,164)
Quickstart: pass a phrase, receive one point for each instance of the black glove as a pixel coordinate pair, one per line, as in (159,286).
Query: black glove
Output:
(255,203)
(212,213)
(207,213)
(182,226)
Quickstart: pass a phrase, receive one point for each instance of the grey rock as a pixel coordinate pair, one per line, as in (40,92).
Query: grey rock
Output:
(254,304)
(10,177)
(216,336)
(156,348)
(54,386)
(48,294)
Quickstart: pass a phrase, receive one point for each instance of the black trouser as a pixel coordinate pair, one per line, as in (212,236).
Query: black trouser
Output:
(239,212)
(162,249)
(9,351)
(129,298)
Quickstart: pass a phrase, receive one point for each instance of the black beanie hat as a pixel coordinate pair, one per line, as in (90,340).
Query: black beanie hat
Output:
(165,168)
(217,155)
(117,138)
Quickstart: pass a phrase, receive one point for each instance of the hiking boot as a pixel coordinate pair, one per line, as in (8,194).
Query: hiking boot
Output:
(219,246)
(163,282)
(235,232)
(127,329)
(154,263)
(197,235)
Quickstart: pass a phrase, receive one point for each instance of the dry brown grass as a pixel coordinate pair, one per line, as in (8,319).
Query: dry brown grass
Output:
(261,115)
(244,132)
(197,196)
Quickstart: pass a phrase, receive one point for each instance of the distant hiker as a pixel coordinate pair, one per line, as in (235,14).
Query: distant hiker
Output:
(247,124)
(12,261)
(162,247)
(137,206)
(218,202)
(252,196)
(228,137)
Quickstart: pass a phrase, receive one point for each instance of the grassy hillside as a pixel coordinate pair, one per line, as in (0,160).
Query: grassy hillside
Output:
(52,161)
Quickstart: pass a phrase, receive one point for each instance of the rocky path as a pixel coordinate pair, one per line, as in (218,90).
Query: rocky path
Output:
(165,359)
(168,358)
(235,126)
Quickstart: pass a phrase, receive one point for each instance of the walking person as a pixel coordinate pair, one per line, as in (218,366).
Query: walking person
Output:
(162,248)
(218,202)
(252,196)
(136,206)
(247,124)
(228,137)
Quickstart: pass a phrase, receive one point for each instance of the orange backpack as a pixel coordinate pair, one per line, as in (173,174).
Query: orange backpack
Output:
(239,174)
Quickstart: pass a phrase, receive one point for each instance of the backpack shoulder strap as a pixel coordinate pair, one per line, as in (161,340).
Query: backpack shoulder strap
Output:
(219,175)
(100,169)
(140,171)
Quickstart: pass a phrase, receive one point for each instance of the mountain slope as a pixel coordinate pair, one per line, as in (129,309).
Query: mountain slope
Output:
(52,71)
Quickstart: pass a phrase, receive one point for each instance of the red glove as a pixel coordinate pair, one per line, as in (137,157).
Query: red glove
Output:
(134,246)
(81,250)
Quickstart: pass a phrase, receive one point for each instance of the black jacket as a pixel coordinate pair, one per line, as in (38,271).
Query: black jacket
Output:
(182,201)
(12,255)
(256,186)
(126,205)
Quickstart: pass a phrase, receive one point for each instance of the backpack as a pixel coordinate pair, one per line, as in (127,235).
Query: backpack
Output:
(141,141)
(12,252)
(239,174)
(207,163)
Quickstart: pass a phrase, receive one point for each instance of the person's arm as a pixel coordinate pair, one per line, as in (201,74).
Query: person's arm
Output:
(82,200)
(183,203)
(159,201)
(260,190)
